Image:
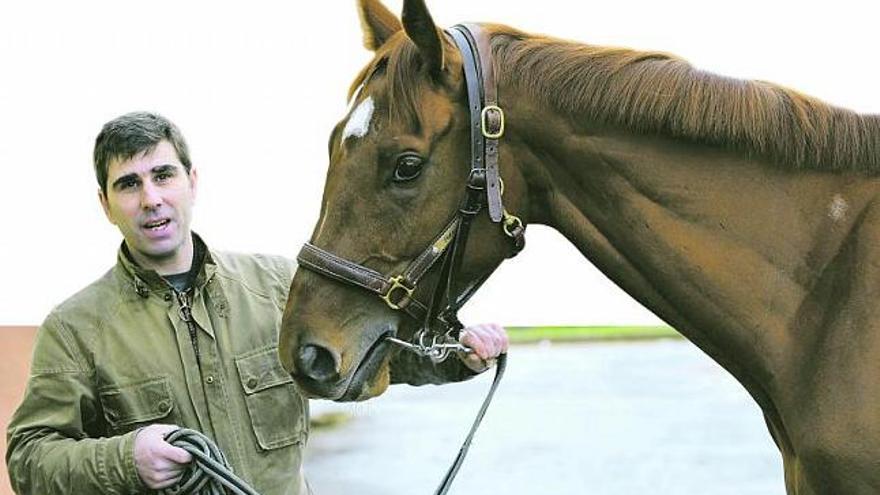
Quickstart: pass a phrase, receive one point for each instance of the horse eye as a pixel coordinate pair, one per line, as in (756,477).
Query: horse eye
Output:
(409,166)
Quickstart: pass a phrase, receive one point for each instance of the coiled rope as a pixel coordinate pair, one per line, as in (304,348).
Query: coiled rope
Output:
(209,473)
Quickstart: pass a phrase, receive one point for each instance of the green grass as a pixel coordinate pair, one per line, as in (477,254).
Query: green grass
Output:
(329,420)
(521,335)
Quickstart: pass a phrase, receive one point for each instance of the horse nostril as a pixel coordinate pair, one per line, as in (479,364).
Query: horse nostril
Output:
(318,363)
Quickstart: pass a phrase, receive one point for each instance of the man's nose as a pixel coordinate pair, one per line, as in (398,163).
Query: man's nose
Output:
(150,196)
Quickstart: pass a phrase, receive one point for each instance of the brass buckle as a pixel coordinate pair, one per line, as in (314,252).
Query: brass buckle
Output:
(397,283)
(484,121)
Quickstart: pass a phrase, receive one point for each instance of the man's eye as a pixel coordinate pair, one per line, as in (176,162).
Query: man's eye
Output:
(127,184)
(409,166)
(163,177)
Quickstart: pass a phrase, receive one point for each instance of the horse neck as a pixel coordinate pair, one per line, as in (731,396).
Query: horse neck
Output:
(723,247)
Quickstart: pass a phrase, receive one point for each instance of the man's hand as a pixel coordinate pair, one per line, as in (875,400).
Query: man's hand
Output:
(159,464)
(488,341)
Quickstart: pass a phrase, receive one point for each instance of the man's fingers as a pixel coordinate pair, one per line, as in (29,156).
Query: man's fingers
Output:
(163,474)
(503,340)
(175,454)
(497,336)
(163,429)
(158,462)
(474,338)
(161,467)
(165,480)
(487,340)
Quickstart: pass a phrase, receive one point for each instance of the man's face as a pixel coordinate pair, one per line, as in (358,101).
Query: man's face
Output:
(149,198)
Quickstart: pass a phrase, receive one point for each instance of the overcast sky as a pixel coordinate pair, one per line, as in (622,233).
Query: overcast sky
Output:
(257,89)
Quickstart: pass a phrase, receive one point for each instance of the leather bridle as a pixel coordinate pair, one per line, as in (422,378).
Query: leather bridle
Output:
(483,190)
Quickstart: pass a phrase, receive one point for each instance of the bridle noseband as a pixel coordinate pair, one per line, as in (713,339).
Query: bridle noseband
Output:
(437,337)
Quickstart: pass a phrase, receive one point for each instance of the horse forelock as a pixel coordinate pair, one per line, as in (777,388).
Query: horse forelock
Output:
(657,93)
(399,65)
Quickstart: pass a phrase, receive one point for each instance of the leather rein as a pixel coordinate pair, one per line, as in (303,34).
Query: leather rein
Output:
(438,337)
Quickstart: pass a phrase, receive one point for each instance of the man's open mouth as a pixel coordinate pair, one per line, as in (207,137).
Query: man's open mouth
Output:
(157,224)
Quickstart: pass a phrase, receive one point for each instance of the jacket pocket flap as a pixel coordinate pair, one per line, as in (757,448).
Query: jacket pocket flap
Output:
(136,402)
(260,370)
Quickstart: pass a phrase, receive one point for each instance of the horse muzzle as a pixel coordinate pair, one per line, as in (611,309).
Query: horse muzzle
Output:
(317,370)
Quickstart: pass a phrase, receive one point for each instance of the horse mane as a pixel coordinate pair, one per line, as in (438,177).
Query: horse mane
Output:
(657,93)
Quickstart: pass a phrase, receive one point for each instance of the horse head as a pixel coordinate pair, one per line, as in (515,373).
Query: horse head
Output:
(399,164)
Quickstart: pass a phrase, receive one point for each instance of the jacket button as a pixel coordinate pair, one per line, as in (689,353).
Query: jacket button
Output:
(252,382)
(210,379)
(164,405)
(168,296)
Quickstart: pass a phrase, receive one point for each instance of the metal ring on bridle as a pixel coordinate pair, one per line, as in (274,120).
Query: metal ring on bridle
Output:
(397,284)
(512,224)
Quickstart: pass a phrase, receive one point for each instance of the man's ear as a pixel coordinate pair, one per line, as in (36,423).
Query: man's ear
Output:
(102,198)
(377,22)
(194,181)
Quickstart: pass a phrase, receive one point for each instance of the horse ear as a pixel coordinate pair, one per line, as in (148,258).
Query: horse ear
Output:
(420,28)
(378,23)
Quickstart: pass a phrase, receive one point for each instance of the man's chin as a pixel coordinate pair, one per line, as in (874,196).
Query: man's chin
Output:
(154,253)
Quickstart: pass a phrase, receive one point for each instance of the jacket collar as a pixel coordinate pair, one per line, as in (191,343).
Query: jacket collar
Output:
(143,281)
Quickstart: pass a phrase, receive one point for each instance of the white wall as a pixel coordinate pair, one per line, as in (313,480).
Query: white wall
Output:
(257,89)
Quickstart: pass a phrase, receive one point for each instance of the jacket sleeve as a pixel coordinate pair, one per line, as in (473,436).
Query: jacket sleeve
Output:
(412,369)
(52,438)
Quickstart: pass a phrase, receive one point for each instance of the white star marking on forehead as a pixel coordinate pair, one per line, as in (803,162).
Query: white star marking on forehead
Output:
(359,121)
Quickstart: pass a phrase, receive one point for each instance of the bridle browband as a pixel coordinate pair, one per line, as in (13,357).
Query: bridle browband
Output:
(484,188)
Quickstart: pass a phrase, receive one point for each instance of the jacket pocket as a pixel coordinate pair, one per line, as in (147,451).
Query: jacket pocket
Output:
(277,410)
(128,405)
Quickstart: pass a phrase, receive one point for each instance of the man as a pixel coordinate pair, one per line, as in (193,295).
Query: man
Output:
(174,335)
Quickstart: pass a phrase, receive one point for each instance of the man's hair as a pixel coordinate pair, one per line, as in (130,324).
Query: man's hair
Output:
(132,134)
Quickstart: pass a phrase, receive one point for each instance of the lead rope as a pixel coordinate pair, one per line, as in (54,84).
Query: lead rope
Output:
(209,473)
(500,365)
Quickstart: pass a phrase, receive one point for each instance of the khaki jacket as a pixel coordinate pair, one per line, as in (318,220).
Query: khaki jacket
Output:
(118,356)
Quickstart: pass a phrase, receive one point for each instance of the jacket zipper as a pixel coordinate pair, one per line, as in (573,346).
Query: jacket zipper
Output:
(186,315)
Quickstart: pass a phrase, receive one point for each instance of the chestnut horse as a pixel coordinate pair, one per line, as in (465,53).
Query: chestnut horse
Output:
(744,214)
